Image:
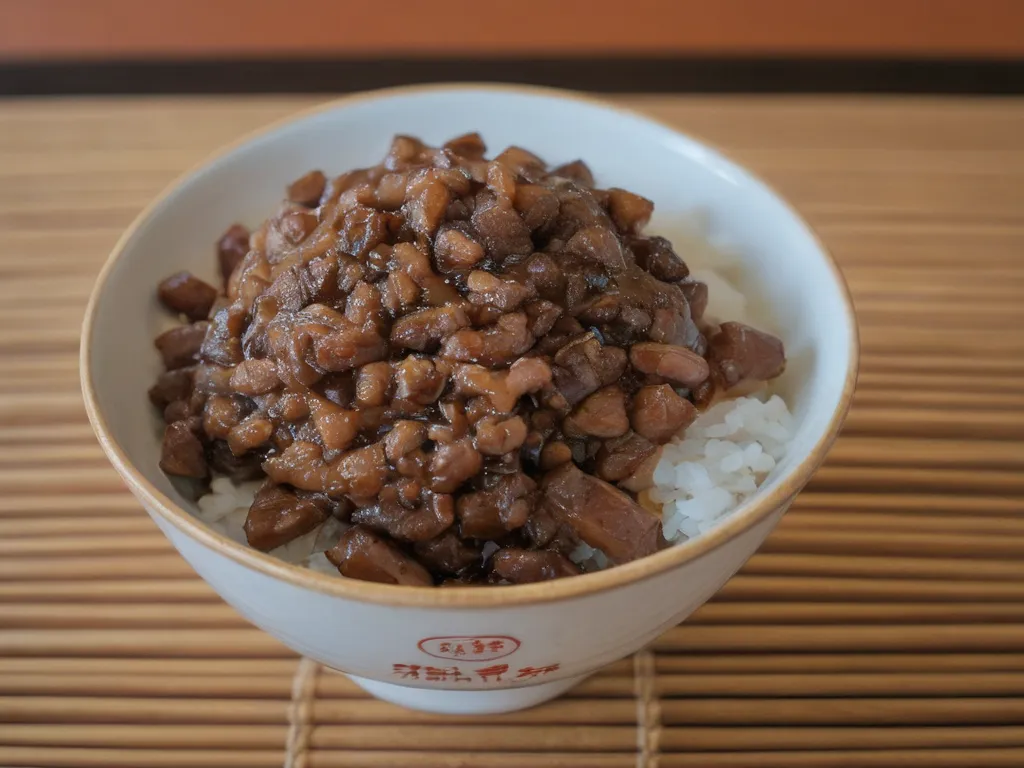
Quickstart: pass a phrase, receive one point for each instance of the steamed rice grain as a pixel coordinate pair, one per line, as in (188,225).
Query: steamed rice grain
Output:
(718,463)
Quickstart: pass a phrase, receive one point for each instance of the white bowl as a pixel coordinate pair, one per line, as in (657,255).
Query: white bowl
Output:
(473,649)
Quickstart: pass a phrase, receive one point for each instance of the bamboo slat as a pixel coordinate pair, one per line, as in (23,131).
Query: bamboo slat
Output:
(840,662)
(229,643)
(497,738)
(852,637)
(933,504)
(756,739)
(127,686)
(896,523)
(182,758)
(891,710)
(911,758)
(149,736)
(101,591)
(881,625)
(876,567)
(126,709)
(898,590)
(879,543)
(46,757)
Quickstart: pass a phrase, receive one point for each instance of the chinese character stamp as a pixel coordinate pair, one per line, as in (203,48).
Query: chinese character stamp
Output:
(496,673)
(470,648)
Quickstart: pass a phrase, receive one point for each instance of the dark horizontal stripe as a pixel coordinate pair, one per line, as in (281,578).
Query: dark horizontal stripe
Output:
(615,75)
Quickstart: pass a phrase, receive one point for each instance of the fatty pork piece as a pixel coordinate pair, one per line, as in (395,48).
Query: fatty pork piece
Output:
(600,514)
(741,354)
(524,566)
(185,293)
(278,515)
(362,554)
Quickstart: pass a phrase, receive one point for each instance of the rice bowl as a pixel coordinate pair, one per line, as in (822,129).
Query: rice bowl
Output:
(365,628)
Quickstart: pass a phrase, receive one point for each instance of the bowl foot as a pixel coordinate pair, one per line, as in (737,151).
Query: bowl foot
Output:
(466,702)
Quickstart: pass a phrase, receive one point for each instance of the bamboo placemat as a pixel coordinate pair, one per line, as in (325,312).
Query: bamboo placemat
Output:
(882,625)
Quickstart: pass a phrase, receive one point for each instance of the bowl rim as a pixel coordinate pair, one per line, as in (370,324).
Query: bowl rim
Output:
(742,519)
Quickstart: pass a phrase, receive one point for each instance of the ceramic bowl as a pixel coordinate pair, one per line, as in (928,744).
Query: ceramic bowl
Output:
(469,650)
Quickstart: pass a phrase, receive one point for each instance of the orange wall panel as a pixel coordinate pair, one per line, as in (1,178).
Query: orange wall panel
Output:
(112,29)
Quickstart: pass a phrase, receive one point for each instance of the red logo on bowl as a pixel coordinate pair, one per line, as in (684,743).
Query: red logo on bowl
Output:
(470,648)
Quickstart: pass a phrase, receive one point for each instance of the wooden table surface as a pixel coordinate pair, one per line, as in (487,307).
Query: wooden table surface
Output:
(881,625)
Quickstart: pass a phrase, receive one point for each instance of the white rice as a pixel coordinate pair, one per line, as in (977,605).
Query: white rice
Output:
(719,463)
(704,474)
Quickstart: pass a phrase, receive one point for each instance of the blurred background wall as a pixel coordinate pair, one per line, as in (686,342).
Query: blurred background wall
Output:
(554,41)
(130,28)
